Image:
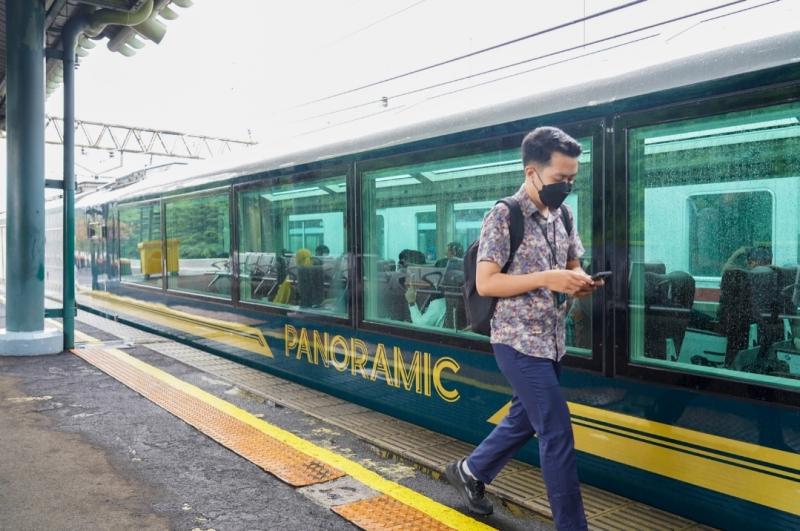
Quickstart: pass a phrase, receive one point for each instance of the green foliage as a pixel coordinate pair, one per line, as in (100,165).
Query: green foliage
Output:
(200,225)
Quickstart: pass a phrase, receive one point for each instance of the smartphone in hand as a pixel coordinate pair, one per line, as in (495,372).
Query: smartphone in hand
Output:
(601,275)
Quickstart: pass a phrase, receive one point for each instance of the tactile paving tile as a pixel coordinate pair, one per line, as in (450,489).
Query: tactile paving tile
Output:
(383,512)
(277,458)
(340,412)
(597,502)
(638,516)
(118,329)
(520,487)
(439,456)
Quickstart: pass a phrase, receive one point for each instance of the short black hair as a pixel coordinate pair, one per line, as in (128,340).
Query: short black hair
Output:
(456,248)
(410,257)
(538,145)
(322,250)
(760,255)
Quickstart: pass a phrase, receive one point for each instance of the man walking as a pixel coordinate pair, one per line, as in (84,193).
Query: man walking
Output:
(528,328)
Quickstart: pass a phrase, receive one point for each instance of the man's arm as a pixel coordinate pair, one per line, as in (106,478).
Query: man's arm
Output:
(490,282)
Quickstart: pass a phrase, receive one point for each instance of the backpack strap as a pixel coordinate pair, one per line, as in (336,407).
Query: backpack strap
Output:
(516,228)
(566,219)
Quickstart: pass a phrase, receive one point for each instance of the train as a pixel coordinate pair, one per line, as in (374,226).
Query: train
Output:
(682,375)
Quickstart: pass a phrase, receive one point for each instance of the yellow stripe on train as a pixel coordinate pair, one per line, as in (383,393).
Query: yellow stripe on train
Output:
(236,335)
(687,455)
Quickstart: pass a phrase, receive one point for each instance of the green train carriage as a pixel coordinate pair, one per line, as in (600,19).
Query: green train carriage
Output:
(677,400)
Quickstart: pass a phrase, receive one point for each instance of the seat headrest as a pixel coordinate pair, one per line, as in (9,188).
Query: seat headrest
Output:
(673,289)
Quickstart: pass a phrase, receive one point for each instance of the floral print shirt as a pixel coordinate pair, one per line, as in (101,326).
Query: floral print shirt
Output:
(531,323)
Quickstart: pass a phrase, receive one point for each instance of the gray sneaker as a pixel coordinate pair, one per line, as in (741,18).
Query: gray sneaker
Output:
(470,489)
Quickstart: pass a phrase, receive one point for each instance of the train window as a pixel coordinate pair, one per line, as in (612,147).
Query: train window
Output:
(418,220)
(140,244)
(722,226)
(198,245)
(292,245)
(714,245)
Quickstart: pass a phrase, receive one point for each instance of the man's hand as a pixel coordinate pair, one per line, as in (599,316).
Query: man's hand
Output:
(570,281)
(589,289)
(411,295)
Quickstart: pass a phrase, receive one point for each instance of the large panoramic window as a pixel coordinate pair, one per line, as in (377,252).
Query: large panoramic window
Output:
(140,244)
(198,244)
(714,225)
(292,245)
(418,220)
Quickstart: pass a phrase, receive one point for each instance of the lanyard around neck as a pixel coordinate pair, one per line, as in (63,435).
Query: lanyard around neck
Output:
(553,246)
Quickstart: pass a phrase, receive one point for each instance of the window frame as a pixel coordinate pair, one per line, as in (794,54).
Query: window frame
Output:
(138,204)
(165,201)
(618,201)
(593,128)
(298,174)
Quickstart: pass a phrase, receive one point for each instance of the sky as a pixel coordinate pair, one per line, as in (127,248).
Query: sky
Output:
(243,68)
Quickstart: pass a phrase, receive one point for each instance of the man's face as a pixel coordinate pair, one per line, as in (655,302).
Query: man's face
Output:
(561,168)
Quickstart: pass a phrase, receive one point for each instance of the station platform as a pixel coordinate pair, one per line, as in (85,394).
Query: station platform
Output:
(370,469)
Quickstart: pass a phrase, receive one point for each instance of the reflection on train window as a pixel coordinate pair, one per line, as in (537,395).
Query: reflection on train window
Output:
(426,234)
(140,244)
(292,245)
(723,226)
(714,245)
(420,218)
(83,249)
(198,245)
(96,262)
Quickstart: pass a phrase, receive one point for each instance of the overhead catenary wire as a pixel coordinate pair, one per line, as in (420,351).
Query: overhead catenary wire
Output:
(461,89)
(723,16)
(375,23)
(528,71)
(478,52)
(403,108)
(537,58)
(491,71)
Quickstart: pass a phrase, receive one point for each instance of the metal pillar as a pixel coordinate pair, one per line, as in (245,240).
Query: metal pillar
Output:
(25,333)
(69,39)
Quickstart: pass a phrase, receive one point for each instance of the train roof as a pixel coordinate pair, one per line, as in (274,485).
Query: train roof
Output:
(396,127)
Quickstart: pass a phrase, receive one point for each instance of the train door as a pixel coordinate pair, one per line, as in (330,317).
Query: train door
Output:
(705,207)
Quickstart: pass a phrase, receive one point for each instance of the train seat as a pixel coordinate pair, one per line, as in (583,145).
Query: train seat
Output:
(788,287)
(310,285)
(792,359)
(453,275)
(668,303)
(703,347)
(338,284)
(451,284)
(747,308)
(391,299)
(639,269)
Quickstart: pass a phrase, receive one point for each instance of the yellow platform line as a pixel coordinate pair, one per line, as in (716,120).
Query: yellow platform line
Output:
(436,511)
(289,465)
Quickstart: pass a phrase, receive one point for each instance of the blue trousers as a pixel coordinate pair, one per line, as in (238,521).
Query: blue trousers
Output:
(537,407)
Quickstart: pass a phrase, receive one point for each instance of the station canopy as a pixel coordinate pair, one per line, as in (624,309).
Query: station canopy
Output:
(122,39)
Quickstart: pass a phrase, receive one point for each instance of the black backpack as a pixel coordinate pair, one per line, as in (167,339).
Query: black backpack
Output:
(480,309)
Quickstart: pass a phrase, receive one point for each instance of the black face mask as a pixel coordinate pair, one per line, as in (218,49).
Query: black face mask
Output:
(552,195)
